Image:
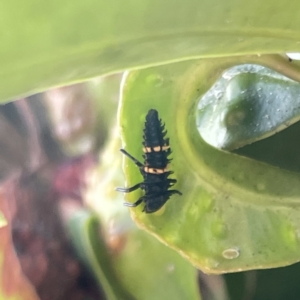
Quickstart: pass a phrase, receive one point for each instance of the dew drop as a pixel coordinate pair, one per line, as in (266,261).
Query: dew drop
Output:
(207,203)
(290,235)
(231,253)
(154,79)
(219,229)
(170,268)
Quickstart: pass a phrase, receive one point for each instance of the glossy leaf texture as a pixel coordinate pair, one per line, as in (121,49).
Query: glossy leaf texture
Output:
(127,262)
(235,213)
(53,43)
(247,104)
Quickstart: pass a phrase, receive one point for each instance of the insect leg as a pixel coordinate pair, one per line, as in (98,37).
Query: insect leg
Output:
(139,164)
(128,190)
(135,203)
(172,181)
(174,192)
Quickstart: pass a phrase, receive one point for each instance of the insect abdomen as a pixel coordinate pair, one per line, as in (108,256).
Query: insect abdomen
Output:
(154,131)
(156,147)
(155,171)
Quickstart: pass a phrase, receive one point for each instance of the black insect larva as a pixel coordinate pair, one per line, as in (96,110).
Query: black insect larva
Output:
(155,171)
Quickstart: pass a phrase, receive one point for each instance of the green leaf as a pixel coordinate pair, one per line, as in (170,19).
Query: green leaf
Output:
(253,103)
(163,273)
(235,213)
(84,230)
(128,262)
(54,43)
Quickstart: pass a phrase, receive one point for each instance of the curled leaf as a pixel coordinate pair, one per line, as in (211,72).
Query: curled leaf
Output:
(236,213)
(247,104)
